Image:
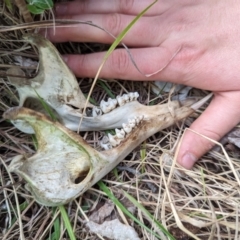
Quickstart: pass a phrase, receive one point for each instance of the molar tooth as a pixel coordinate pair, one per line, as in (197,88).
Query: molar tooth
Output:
(120,101)
(126,98)
(105,144)
(120,133)
(136,95)
(113,140)
(127,128)
(137,119)
(132,122)
(105,106)
(96,111)
(112,103)
(131,96)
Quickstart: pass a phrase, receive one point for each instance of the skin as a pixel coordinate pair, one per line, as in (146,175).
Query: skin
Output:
(195,43)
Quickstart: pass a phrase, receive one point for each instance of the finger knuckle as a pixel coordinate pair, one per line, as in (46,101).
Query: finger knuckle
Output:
(112,23)
(119,61)
(125,5)
(214,135)
(185,60)
(207,138)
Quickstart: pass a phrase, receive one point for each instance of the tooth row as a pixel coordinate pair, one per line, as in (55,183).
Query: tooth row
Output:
(114,140)
(125,98)
(108,105)
(111,104)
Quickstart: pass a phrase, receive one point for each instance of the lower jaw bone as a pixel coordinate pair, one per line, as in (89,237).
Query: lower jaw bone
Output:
(65,166)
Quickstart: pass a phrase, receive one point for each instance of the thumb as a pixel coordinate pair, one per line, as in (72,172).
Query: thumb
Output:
(220,117)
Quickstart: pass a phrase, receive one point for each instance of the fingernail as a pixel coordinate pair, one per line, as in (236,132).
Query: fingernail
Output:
(61,9)
(188,160)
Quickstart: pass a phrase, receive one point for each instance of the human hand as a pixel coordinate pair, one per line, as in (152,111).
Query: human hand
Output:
(195,43)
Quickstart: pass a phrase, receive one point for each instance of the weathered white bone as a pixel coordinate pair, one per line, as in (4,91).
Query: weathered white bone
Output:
(65,166)
(56,85)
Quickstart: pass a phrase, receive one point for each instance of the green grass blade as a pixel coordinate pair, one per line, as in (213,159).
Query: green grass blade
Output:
(67,223)
(46,107)
(124,210)
(147,213)
(105,87)
(56,226)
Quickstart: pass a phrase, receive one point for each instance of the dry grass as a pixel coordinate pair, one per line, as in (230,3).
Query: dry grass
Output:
(203,203)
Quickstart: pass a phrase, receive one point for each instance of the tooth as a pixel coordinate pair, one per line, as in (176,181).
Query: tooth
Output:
(131,96)
(96,111)
(127,128)
(137,119)
(105,144)
(113,140)
(120,101)
(105,106)
(136,95)
(120,133)
(112,103)
(132,122)
(126,98)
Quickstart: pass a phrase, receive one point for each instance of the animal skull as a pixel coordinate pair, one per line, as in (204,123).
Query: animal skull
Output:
(64,165)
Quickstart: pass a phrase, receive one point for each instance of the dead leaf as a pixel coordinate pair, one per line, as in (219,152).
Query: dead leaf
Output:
(102,213)
(113,230)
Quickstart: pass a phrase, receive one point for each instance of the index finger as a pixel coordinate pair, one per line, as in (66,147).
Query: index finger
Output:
(129,7)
